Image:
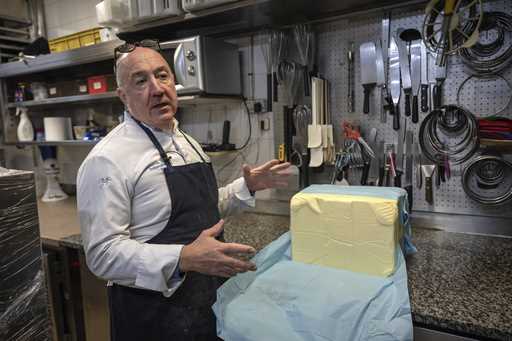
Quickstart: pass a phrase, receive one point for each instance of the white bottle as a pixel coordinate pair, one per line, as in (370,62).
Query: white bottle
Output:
(25,127)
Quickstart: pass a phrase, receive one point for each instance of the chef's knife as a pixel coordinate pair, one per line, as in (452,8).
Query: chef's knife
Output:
(381,80)
(405,72)
(415,77)
(368,57)
(399,161)
(394,81)
(424,78)
(438,88)
(408,167)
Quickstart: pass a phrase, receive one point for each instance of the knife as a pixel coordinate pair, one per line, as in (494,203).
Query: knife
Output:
(417,162)
(405,72)
(424,78)
(374,163)
(399,161)
(437,92)
(381,80)
(394,81)
(386,98)
(408,167)
(368,57)
(382,163)
(415,77)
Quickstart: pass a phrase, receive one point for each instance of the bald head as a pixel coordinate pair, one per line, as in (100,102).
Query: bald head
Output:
(146,87)
(126,59)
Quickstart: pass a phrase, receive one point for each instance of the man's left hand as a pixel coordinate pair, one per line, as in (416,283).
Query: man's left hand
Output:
(269,175)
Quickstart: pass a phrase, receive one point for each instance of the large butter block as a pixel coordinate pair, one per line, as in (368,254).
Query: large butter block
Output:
(351,228)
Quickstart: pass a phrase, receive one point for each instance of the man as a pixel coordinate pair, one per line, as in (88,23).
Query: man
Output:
(150,208)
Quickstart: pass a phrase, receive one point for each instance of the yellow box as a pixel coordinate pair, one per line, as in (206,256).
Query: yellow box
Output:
(76,40)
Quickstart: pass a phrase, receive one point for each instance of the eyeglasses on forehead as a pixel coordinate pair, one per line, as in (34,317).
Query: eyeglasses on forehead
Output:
(129,47)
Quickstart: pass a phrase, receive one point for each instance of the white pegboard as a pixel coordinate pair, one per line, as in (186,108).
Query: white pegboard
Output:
(481,97)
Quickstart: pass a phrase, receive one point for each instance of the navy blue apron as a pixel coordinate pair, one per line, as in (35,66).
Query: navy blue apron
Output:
(138,314)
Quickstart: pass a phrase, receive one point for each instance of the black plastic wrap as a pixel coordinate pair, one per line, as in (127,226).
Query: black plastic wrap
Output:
(23,295)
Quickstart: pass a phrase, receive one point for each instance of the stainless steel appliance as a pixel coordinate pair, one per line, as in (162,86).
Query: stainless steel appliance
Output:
(204,65)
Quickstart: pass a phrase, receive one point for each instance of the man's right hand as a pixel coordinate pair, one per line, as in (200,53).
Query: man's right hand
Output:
(209,256)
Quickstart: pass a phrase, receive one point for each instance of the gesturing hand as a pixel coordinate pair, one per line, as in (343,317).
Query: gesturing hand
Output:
(269,175)
(209,256)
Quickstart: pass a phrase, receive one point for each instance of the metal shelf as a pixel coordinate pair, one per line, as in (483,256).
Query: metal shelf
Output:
(78,99)
(111,95)
(53,143)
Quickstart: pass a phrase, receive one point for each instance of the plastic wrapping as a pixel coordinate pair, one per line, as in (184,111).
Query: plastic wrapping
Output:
(23,295)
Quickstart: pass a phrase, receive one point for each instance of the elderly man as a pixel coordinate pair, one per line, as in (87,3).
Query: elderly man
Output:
(150,211)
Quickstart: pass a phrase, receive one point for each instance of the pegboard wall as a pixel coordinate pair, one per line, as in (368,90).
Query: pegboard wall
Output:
(481,97)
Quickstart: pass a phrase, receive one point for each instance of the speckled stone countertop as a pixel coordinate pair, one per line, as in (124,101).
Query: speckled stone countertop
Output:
(458,283)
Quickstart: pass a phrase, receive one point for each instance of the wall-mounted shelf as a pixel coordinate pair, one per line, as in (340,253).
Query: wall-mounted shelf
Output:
(112,96)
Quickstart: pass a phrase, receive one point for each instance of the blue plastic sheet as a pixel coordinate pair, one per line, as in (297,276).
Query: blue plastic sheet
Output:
(287,300)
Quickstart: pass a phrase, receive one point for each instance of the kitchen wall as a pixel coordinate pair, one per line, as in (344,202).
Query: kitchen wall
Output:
(204,122)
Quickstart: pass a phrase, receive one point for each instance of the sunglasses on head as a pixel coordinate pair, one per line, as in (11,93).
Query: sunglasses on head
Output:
(129,47)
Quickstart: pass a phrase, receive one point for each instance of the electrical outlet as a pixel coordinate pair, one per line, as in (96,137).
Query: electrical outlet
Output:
(265,124)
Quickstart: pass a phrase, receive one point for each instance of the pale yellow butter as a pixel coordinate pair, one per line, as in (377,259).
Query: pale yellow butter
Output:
(351,232)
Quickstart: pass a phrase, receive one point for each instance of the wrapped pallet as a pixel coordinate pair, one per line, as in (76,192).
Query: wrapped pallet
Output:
(23,295)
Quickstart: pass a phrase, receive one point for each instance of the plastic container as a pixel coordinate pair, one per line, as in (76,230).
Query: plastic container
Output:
(57,128)
(76,40)
(39,91)
(25,129)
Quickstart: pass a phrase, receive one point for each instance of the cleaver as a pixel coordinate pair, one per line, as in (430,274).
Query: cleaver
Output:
(368,57)
(405,72)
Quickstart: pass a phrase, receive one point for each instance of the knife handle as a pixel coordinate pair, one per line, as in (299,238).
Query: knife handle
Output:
(424,97)
(381,176)
(415,113)
(437,95)
(429,191)
(396,118)
(274,87)
(407,104)
(364,176)
(398,179)
(306,81)
(269,92)
(366,107)
(408,188)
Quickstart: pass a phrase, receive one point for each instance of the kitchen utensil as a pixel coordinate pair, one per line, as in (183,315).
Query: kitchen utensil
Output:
(351,133)
(301,35)
(381,80)
(278,44)
(437,92)
(408,167)
(415,77)
(417,164)
(424,78)
(386,100)
(394,81)
(399,161)
(428,171)
(350,78)
(451,25)
(315,129)
(374,163)
(382,163)
(367,159)
(368,57)
(405,72)
(432,68)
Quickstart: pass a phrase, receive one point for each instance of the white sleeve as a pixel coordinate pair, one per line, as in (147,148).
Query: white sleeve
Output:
(233,198)
(104,208)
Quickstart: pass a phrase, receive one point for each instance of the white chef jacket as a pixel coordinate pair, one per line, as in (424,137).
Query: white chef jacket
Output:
(123,202)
